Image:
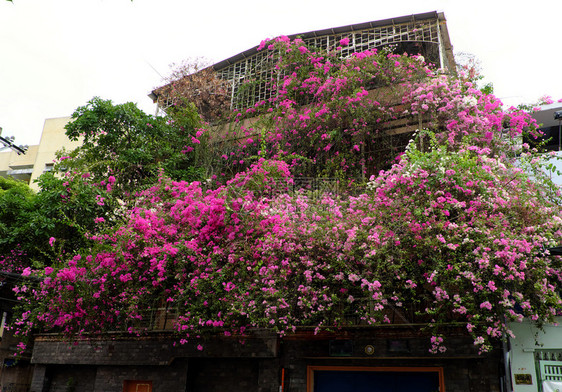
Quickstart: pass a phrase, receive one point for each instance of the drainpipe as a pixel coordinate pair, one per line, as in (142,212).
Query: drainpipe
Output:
(282,386)
(507,368)
(3,325)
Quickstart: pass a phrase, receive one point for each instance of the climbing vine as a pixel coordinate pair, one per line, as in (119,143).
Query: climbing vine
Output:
(450,224)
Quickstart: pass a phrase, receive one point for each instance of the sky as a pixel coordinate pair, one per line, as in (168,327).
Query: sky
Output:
(55,55)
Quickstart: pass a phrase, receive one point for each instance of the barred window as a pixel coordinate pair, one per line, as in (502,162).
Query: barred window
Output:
(251,76)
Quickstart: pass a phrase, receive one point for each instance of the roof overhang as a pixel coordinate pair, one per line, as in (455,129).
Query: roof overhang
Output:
(337,30)
(545,116)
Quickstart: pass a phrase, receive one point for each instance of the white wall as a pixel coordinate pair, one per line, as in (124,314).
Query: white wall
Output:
(529,339)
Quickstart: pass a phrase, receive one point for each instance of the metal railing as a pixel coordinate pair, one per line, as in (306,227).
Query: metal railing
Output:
(159,319)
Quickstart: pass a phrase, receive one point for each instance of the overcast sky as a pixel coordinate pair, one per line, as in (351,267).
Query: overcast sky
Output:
(55,55)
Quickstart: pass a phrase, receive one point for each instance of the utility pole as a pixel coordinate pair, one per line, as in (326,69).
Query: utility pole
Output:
(8,142)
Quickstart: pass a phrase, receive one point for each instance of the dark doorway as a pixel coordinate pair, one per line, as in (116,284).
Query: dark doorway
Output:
(382,380)
(222,374)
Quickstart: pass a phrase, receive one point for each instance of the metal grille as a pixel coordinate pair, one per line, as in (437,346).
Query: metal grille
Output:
(548,355)
(160,319)
(420,31)
(551,370)
(164,102)
(250,77)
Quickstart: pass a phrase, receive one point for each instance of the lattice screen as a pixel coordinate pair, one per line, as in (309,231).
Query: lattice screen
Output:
(260,66)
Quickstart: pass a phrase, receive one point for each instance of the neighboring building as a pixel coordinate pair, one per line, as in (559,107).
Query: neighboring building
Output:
(552,130)
(38,158)
(535,355)
(550,123)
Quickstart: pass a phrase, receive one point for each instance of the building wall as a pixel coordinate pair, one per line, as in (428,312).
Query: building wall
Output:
(38,157)
(10,161)
(53,139)
(15,373)
(261,363)
(529,344)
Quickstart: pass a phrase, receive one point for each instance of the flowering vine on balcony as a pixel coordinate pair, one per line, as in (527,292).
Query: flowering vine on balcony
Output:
(455,223)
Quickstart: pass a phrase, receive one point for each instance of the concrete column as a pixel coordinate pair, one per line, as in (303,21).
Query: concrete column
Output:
(39,379)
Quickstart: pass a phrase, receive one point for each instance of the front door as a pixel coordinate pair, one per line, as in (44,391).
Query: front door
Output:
(326,379)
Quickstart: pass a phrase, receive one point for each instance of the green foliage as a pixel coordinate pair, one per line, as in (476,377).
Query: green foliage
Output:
(123,141)
(74,204)
(455,226)
(19,230)
(65,208)
(488,88)
(124,150)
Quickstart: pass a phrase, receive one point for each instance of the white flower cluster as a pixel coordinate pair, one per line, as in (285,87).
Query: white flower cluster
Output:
(411,143)
(469,101)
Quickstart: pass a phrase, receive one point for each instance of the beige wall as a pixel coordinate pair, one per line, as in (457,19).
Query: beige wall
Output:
(53,139)
(37,157)
(12,163)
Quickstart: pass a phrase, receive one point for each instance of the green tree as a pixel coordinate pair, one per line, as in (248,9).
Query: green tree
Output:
(37,227)
(124,150)
(19,231)
(124,142)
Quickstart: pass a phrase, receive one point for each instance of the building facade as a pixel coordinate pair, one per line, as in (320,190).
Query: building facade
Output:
(536,357)
(392,358)
(38,158)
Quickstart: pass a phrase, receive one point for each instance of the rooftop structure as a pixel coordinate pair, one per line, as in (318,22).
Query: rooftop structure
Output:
(425,34)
